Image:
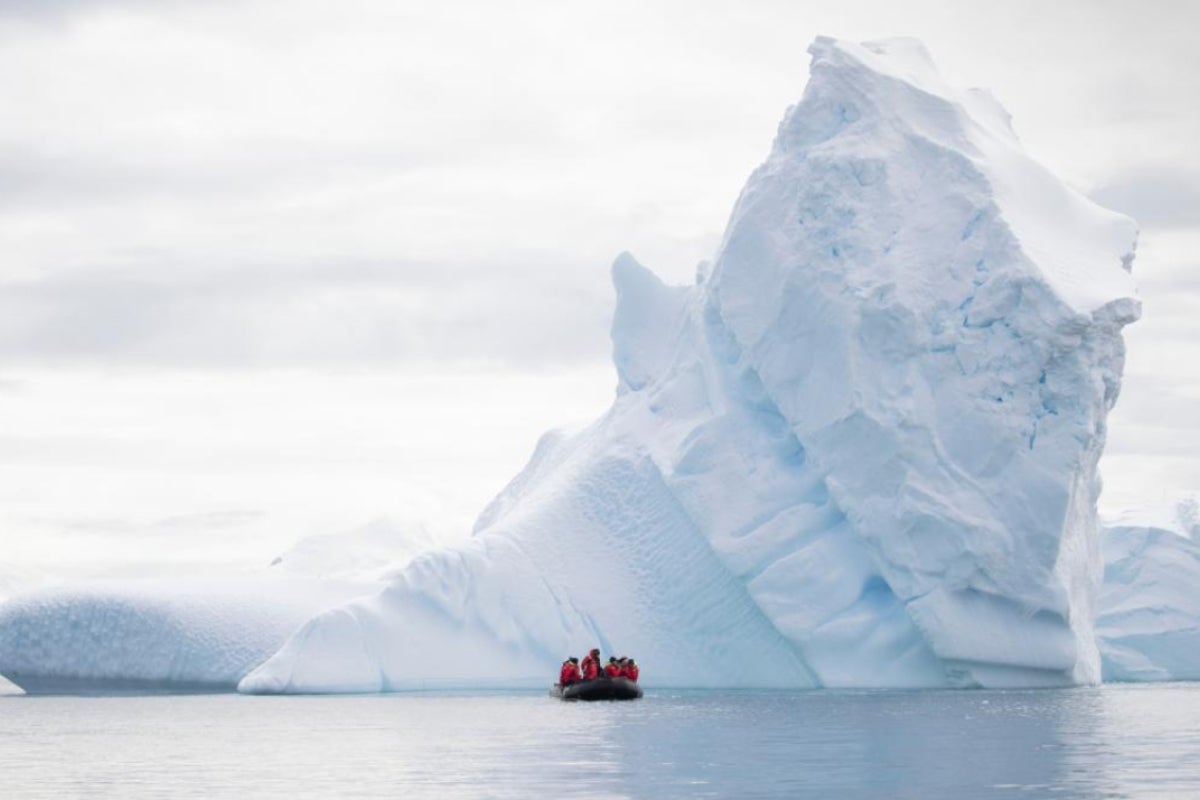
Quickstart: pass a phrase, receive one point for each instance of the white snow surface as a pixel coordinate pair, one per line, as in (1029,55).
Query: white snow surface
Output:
(1149,623)
(8,688)
(860,451)
(203,633)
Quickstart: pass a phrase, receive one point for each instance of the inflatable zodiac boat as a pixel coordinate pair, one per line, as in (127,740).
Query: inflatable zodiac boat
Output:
(598,689)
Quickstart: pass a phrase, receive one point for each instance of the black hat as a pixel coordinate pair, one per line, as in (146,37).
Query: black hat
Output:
(612,659)
(595,649)
(573,660)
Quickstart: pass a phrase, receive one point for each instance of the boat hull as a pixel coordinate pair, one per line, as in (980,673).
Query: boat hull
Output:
(599,689)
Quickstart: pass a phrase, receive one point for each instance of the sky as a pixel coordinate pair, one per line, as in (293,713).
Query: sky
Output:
(276,269)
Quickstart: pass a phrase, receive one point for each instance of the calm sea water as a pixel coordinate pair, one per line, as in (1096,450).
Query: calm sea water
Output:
(1138,741)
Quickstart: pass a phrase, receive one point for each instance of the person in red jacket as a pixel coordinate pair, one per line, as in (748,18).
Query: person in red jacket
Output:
(630,670)
(591,665)
(570,672)
(612,669)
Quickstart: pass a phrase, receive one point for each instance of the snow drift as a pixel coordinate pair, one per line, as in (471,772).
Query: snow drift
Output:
(860,451)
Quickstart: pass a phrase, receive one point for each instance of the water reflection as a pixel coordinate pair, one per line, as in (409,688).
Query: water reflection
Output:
(1086,743)
(895,745)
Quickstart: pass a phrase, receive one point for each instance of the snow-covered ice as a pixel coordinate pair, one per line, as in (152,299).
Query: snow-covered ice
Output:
(860,451)
(1149,623)
(7,688)
(199,633)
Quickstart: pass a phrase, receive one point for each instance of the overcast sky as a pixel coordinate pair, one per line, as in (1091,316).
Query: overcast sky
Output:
(270,269)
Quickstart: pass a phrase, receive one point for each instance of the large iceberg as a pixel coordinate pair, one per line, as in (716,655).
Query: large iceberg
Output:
(860,451)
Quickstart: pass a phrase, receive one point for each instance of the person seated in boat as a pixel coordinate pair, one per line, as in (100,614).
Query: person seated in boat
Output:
(629,669)
(612,669)
(570,672)
(591,665)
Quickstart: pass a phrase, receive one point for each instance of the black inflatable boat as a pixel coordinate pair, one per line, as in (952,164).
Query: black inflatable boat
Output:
(598,689)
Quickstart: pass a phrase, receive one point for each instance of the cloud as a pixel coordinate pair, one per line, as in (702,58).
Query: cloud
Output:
(205,523)
(33,177)
(1157,196)
(57,11)
(190,186)
(325,314)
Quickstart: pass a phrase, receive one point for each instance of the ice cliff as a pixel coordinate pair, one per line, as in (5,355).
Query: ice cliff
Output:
(860,451)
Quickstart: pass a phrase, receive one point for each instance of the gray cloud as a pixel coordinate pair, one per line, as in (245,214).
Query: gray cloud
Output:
(59,10)
(34,178)
(201,184)
(319,314)
(205,523)
(1158,196)
(32,9)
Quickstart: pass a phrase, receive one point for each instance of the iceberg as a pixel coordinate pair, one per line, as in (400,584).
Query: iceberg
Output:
(860,451)
(1149,623)
(366,553)
(154,634)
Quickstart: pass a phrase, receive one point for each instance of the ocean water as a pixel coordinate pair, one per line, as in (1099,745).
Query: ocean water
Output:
(1110,742)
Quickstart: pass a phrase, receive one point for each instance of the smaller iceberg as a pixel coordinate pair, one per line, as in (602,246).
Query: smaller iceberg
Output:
(1149,622)
(155,634)
(370,552)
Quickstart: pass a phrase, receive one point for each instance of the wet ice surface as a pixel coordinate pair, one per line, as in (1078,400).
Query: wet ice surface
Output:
(1138,741)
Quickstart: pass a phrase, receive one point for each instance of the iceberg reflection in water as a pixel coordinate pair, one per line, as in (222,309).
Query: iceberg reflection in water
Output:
(1113,741)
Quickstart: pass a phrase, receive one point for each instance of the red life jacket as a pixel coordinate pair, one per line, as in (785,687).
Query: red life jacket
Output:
(630,671)
(568,675)
(591,669)
(612,670)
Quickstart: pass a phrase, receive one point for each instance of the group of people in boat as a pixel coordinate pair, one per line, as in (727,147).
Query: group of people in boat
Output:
(576,671)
